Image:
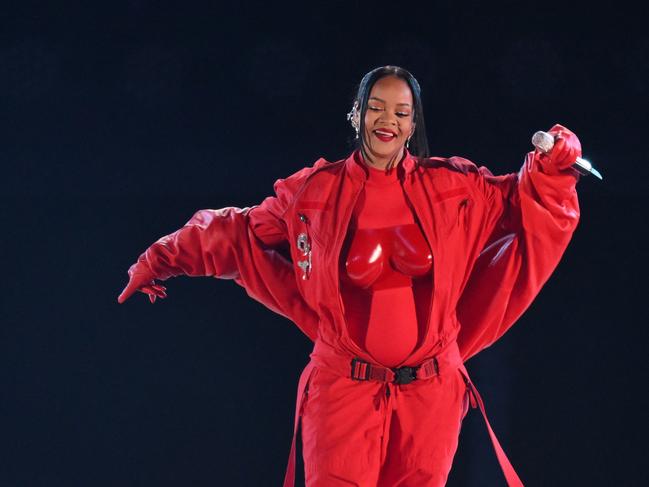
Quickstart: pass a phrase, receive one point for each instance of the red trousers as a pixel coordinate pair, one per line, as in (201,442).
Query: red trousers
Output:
(370,433)
(354,434)
(377,433)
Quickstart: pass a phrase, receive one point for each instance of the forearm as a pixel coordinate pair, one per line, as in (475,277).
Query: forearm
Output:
(205,246)
(527,239)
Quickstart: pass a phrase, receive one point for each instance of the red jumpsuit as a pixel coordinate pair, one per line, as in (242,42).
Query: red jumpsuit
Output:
(493,241)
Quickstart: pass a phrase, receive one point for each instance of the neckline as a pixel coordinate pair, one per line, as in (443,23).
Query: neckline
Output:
(380,177)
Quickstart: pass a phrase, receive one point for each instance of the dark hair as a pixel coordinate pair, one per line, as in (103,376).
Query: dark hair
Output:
(418,146)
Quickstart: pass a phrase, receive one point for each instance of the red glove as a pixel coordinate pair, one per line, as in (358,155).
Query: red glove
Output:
(141,279)
(565,152)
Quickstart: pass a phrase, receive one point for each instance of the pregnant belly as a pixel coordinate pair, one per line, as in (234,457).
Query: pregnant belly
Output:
(384,323)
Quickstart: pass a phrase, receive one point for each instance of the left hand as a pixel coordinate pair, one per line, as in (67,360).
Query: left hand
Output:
(566,150)
(142,279)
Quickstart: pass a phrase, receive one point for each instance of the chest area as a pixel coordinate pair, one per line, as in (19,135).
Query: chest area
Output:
(385,256)
(391,229)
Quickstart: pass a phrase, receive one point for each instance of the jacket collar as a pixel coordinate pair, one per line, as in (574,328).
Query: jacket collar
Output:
(356,168)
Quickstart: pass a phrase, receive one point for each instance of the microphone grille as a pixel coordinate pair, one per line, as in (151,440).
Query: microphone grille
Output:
(543,141)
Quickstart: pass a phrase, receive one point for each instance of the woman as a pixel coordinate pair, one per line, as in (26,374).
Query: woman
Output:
(401,266)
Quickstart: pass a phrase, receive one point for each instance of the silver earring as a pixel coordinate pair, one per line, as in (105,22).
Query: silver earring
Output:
(353,116)
(408,143)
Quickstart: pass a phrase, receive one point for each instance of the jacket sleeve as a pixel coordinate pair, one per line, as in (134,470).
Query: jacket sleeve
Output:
(529,220)
(242,244)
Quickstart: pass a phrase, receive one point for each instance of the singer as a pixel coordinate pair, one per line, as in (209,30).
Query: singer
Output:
(399,267)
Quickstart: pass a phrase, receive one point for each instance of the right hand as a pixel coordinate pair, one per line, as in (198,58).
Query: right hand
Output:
(565,151)
(141,279)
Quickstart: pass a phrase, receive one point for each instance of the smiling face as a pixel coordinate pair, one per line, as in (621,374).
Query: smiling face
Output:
(388,121)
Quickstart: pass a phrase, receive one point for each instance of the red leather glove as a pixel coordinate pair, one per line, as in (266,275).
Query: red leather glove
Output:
(565,152)
(141,279)
(204,246)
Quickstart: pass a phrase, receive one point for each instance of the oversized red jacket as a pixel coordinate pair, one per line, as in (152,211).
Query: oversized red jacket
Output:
(495,240)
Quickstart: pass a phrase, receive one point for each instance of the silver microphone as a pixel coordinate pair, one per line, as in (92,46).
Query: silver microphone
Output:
(544,142)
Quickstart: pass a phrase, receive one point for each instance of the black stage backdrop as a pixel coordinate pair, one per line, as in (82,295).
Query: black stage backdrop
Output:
(119,121)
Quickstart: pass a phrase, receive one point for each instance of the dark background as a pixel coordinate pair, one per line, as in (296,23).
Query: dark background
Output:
(119,121)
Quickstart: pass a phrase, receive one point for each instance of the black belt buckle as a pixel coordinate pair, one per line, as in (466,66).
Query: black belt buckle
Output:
(404,375)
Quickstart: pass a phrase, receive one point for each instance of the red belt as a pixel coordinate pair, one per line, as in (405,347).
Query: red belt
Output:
(447,360)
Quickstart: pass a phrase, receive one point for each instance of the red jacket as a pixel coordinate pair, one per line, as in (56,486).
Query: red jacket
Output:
(495,240)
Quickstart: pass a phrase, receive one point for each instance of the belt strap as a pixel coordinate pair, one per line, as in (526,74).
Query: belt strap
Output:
(305,376)
(403,375)
(512,478)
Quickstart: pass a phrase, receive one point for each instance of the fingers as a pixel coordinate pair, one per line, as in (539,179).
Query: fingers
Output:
(159,290)
(561,132)
(562,155)
(126,293)
(153,290)
(566,149)
(569,156)
(558,129)
(558,147)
